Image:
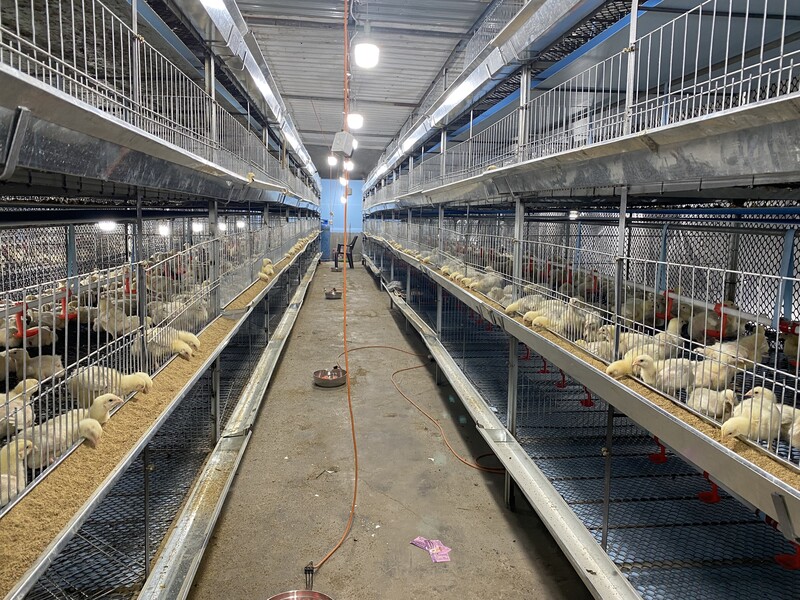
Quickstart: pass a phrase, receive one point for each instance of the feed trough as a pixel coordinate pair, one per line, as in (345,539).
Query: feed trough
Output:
(330,377)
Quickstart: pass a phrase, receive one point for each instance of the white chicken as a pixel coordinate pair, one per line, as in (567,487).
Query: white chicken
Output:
(57,435)
(14,469)
(163,342)
(746,348)
(790,424)
(484,283)
(713,374)
(602,349)
(38,367)
(756,417)
(91,382)
(710,402)
(525,304)
(569,323)
(669,376)
(15,412)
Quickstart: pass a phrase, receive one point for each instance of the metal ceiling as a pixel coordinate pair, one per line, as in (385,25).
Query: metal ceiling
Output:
(302,41)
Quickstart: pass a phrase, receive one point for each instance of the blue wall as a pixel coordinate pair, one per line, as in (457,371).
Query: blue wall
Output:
(331,203)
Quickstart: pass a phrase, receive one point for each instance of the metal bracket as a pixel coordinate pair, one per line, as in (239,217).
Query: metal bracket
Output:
(784,520)
(14,142)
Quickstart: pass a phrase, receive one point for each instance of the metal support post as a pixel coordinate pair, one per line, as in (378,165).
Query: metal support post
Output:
(523,125)
(619,275)
(408,226)
(141,279)
(511,419)
(443,153)
(440,232)
(519,232)
(785,288)
(661,268)
(732,273)
(136,70)
(146,468)
(410,172)
(215,403)
(210,78)
(214,257)
(439,307)
(607,451)
(630,85)
(469,148)
(391,269)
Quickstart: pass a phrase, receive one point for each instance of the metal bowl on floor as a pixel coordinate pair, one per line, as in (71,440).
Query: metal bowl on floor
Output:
(300,595)
(330,377)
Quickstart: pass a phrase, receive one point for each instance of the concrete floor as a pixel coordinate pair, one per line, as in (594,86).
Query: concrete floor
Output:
(290,500)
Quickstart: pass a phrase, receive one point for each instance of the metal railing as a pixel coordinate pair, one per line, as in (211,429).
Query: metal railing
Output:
(87,52)
(707,61)
(72,339)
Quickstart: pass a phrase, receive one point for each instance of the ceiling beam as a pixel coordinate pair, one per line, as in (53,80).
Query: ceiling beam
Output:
(430,31)
(357,134)
(360,100)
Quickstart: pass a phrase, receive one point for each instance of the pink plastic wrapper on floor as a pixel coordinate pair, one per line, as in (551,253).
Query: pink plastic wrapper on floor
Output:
(437,550)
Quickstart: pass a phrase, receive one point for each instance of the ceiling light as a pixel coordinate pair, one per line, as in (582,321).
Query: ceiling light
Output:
(343,199)
(407,145)
(107,225)
(367,54)
(573,214)
(197,227)
(163,229)
(342,180)
(355,121)
(332,161)
(382,169)
(222,226)
(240,224)
(355,144)
(348,165)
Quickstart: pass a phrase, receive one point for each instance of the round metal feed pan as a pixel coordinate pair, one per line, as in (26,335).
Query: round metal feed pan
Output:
(330,377)
(300,595)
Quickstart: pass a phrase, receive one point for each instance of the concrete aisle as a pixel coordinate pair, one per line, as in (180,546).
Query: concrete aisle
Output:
(290,500)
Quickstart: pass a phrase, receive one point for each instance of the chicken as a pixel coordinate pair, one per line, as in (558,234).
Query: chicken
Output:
(267,270)
(15,412)
(711,403)
(756,417)
(90,382)
(43,337)
(525,304)
(668,376)
(670,339)
(163,342)
(8,335)
(39,367)
(484,283)
(713,374)
(790,424)
(569,323)
(746,348)
(117,325)
(55,436)
(14,469)
(602,349)
(496,294)
(620,368)
(628,340)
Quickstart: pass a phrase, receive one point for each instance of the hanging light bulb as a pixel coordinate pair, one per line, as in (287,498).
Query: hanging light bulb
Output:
(365,52)
(348,165)
(342,180)
(343,199)
(240,224)
(197,227)
(222,226)
(332,161)
(355,144)
(355,121)
(163,230)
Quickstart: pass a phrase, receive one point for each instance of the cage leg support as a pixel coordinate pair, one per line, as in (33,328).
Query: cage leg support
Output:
(711,496)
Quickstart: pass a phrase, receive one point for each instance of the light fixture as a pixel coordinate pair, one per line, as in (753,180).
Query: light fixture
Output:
(348,165)
(332,161)
(343,199)
(382,169)
(407,144)
(355,121)
(197,227)
(342,180)
(107,225)
(355,144)
(365,52)
(573,214)
(222,226)
(240,224)
(164,230)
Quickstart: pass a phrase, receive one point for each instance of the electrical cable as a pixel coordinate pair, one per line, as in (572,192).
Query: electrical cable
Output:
(396,385)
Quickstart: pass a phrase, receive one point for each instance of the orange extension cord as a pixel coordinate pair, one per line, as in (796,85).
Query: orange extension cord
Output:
(346,352)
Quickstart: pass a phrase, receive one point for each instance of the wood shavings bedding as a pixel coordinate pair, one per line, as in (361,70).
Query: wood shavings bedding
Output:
(30,526)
